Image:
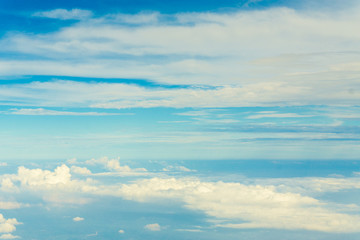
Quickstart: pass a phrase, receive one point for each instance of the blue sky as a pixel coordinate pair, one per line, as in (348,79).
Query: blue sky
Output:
(179,119)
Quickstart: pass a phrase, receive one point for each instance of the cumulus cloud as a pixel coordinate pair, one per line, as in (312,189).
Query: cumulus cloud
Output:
(7,225)
(78,219)
(64,14)
(113,165)
(279,204)
(7,185)
(121,231)
(153,227)
(80,170)
(258,206)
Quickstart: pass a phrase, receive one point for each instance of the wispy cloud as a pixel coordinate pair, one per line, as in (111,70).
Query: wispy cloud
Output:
(274,56)
(47,112)
(64,14)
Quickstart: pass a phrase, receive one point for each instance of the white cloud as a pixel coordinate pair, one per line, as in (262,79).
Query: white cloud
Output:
(7,225)
(153,227)
(120,96)
(8,236)
(140,18)
(269,203)
(259,206)
(3,164)
(7,185)
(178,168)
(121,231)
(278,115)
(9,205)
(42,111)
(64,14)
(80,170)
(269,57)
(113,165)
(78,219)
(189,230)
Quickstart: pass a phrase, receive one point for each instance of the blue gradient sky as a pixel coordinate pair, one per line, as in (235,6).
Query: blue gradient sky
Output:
(179,119)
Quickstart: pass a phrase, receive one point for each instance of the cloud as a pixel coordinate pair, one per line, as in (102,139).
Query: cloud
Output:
(178,168)
(189,230)
(277,115)
(270,203)
(46,112)
(8,236)
(140,18)
(78,219)
(9,205)
(255,205)
(121,231)
(274,56)
(3,164)
(80,170)
(153,227)
(113,165)
(121,96)
(7,225)
(63,14)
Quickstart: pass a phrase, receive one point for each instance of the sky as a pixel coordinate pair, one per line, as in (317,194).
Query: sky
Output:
(152,119)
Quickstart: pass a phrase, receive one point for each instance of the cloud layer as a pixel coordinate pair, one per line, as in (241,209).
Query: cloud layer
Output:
(267,204)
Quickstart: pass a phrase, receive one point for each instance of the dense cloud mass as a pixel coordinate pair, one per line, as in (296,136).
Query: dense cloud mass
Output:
(237,205)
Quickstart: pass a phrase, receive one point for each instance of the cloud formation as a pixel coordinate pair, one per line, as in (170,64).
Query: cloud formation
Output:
(64,14)
(153,227)
(78,219)
(260,205)
(7,225)
(275,56)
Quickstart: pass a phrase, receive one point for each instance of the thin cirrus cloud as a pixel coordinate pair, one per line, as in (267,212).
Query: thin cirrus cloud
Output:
(64,14)
(47,112)
(62,93)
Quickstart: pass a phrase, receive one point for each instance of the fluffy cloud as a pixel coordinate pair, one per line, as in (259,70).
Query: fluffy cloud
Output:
(113,165)
(7,225)
(255,205)
(153,227)
(80,170)
(280,204)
